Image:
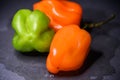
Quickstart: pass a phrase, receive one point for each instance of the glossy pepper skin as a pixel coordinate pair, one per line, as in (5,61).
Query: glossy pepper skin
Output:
(68,49)
(60,12)
(31,31)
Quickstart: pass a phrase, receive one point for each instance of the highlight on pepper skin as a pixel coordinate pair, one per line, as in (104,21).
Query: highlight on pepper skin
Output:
(68,49)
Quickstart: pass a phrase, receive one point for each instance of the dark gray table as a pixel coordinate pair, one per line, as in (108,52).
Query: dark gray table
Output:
(103,61)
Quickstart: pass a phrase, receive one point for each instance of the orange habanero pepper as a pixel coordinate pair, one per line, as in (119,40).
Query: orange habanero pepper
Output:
(60,12)
(68,49)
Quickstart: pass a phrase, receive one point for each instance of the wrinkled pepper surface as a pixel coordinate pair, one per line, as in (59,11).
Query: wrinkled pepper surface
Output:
(68,49)
(31,31)
(60,12)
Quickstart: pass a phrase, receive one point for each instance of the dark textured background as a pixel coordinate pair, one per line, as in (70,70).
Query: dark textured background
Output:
(103,61)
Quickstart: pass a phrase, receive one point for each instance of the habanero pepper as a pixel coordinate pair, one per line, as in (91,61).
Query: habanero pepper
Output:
(60,12)
(31,31)
(68,49)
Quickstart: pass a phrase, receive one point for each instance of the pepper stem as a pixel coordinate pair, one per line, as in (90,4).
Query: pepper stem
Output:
(92,25)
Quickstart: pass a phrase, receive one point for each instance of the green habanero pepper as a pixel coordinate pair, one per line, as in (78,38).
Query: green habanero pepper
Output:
(31,31)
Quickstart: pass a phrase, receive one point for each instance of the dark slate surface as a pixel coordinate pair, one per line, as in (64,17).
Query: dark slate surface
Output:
(103,61)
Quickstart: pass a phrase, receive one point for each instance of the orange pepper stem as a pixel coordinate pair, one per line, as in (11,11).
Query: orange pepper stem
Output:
(98,24)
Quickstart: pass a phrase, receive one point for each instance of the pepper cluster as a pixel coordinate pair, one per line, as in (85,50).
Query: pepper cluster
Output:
(68,44)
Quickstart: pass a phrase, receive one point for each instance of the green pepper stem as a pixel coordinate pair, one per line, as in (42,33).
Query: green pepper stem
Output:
(93,25)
